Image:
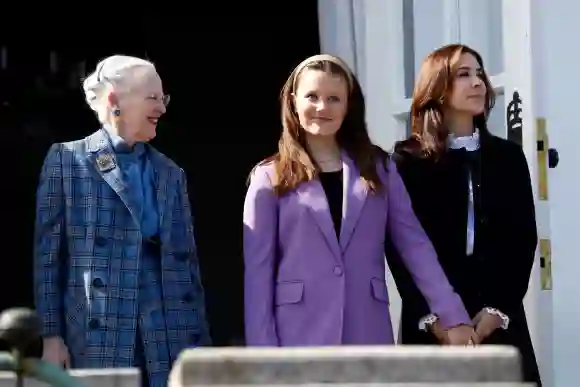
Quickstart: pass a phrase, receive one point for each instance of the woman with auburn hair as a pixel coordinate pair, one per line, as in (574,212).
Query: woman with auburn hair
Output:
(472,194)
(315,217)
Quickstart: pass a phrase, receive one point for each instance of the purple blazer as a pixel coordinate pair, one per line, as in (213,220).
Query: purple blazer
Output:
(306,287)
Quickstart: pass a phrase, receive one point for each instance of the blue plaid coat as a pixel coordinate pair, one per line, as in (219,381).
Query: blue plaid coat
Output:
(86,269)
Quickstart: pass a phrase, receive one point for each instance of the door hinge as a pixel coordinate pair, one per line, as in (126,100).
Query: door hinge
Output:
(542,149)
(545,264)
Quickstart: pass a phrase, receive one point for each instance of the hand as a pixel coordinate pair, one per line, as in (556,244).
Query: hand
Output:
(486,324)
(54,351)
(439,333)
(461,335)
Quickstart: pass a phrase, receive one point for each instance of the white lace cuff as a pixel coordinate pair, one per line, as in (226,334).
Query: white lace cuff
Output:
(496,312)
(431,319)
(427,321)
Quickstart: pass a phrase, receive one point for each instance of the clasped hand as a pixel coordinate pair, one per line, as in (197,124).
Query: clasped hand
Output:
(458,335)
(485,324)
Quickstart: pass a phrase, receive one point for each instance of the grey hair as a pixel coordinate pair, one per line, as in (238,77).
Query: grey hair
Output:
(114,70)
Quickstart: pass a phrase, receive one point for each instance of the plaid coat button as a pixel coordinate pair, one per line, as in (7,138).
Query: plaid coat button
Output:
(100,241)
(94,324)
(98,283)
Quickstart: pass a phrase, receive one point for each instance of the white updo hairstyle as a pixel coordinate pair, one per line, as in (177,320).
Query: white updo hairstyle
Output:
(117,71)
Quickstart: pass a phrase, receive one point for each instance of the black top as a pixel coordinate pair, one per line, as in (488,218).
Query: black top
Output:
(332,184)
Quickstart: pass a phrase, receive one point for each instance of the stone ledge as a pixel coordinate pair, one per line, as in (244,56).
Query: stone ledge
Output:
(490,384)
(346,365)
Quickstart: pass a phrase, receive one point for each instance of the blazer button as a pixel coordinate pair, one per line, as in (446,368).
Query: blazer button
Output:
(338,271)
(187,298)
(98,283)
(100,241)
(94,324)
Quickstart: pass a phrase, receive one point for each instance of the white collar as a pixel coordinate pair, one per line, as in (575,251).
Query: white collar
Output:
(470,143)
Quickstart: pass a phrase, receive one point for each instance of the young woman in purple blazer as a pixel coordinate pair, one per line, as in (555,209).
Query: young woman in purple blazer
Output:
(316,216)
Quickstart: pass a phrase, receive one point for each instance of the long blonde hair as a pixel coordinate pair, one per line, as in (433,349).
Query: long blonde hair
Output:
(293,163)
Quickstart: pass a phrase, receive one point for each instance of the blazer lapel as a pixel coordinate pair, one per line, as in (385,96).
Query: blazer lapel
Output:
(312,195)
(162,184)
(354,197)
(102,157)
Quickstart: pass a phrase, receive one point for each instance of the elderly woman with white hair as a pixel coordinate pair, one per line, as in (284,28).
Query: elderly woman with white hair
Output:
(117,280)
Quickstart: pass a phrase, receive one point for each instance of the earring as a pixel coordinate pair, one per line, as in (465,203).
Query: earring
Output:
(116,112)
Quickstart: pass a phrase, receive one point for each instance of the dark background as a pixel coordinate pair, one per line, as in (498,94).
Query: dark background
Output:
(224,67)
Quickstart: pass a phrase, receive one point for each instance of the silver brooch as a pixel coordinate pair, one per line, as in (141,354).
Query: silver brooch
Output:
(106,162)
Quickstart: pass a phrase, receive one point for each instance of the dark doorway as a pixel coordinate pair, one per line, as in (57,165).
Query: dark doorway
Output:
(224,68)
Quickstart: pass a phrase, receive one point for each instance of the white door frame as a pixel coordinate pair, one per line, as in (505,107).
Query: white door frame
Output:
(516,76)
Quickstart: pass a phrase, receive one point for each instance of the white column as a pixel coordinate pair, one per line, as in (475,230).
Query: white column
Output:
(359,31)
(384,69)
(475,26)
(452,30)
(518,67)
(341,31)
(336,29)
(384,80)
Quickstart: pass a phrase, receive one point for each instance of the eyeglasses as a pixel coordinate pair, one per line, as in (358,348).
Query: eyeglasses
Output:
(164,99)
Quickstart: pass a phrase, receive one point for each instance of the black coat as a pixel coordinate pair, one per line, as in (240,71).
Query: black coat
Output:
(498,273)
